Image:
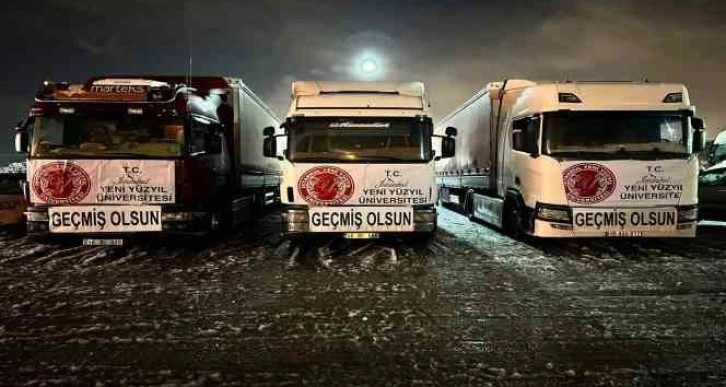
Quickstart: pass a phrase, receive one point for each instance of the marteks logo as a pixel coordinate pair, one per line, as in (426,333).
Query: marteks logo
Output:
(61,183)
(588,183)
(326,185)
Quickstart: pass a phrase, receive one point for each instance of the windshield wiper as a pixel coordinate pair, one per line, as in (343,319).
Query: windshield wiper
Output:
(102,155)
(620,153)
(112,153)
(358,159)
(311,159)
(385,157)
(655,153)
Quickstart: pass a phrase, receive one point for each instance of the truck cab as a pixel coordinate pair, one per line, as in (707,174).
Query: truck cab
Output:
(359,160)
(579,159)
(147,154)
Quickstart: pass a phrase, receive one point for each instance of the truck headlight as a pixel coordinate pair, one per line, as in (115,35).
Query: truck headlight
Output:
(424,216)
(554,213)
(36,216)
(180,216)
(687,214)
(295,216)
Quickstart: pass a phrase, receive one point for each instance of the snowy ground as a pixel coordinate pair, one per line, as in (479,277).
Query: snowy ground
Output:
(470,308)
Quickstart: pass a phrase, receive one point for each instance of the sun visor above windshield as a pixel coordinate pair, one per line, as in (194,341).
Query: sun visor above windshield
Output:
(359,101)
(122,90)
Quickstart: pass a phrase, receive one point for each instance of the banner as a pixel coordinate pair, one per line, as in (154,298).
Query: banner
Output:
(61,182)
(629,183)
(364,184)
(96,219)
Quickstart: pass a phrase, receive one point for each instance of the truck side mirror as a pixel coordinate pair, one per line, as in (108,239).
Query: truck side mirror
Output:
(20,126)
(450,131)
(697,123)
(268,131)
(699,140)
(448,147)
(21,141)
(269,146)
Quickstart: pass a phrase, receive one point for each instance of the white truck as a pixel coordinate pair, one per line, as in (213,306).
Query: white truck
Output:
(358,161)
(576,159)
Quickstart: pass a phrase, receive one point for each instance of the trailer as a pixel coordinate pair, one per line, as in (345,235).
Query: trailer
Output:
(576,159)
(716,151)
(145,154)
(359,160)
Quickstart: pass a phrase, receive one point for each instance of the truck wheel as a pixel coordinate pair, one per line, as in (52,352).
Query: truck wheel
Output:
(512,222)
(423,238)
(469,207)
(219,221)
(215,221)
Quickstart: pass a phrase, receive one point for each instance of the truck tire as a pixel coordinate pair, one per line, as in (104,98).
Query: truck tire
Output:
(220,217)
(512,221)
(215,221)
(469,205)
(423,238)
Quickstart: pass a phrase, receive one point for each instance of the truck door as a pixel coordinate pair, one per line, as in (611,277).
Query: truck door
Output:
(208,146)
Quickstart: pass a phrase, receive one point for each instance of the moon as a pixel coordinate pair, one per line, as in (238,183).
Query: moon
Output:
(368,66)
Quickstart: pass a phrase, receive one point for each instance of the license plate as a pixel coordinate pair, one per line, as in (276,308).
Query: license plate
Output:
(102,242)
(361,235)
(625,234)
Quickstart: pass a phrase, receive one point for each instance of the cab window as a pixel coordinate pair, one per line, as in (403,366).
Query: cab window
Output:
(525,134)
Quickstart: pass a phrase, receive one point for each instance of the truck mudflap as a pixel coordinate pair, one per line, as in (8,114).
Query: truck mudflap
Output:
(298,220)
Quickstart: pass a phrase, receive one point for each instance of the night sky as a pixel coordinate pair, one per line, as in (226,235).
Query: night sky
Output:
(455,47)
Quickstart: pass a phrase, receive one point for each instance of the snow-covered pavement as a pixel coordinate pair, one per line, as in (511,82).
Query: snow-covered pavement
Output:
(472,307)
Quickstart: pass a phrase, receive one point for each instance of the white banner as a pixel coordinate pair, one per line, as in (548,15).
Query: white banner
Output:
(592,219)
(362,184)
(98,219)
(360,219)
(58,182)
(630,183)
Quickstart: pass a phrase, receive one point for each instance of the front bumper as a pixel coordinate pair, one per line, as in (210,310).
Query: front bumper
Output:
(295,221)
(174,221)
(547,229)
(556,221)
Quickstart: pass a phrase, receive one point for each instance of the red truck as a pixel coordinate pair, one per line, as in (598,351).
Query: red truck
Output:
(145,154)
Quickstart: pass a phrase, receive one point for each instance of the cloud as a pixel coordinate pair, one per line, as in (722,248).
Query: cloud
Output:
(455,47)
(108,47)
(594,34)
(369,39)
(279,99)
(593,40)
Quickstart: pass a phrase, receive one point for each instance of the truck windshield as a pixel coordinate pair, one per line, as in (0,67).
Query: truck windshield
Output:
(615,132)
(107,136)
(360,140)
